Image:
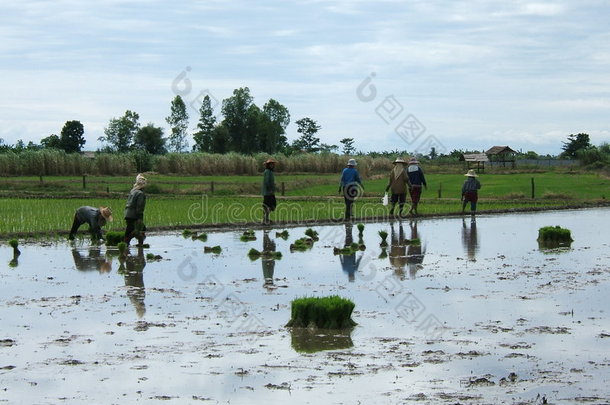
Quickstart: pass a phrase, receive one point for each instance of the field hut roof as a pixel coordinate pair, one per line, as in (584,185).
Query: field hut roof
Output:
(499,150)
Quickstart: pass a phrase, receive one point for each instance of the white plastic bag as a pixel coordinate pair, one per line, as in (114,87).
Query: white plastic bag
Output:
(385,201)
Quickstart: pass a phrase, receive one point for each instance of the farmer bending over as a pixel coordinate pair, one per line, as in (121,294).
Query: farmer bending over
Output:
(95,217)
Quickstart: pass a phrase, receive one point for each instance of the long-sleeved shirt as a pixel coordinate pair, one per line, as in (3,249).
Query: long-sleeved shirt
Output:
(91,216)
(350,176)
(398,184)
(471,184)
(268,187)
(136,201)
(416,176)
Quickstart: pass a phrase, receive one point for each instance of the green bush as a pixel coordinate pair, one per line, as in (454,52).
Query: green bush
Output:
(331,312)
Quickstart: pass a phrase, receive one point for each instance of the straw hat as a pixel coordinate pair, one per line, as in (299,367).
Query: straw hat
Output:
(471,173)
(270,160)
(399,160)
(351,162)
(413,161)
(106,213)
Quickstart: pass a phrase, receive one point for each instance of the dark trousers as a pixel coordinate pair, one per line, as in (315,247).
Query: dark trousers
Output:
(76,223)
(132,230)
(349,202)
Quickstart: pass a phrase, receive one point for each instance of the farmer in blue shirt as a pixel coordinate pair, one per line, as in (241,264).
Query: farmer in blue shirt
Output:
(417,180)
(350,186)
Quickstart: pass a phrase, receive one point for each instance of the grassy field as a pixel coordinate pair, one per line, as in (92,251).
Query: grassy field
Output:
(44,207)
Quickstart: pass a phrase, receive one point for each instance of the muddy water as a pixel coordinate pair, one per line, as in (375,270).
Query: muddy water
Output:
(476,313)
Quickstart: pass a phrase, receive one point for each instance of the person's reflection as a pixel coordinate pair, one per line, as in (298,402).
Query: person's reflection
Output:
(93,261)
(415,254)
(470,239)
(132,268)
(349,263)
(268,263)
(398,250)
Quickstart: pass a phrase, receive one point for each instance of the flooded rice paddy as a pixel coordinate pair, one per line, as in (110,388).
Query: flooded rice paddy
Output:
(474,314)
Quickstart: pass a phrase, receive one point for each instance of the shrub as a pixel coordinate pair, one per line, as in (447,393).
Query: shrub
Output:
(331,312)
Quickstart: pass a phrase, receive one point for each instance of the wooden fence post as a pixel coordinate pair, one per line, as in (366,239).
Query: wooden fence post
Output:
(533,188)
(440,190)
(84,182)
(40,178)
(211,187)
(283,189)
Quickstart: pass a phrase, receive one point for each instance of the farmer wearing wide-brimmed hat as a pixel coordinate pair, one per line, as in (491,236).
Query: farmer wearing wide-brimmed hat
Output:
(470,192)
(134,211)
(95,217)
(417,180)
(268,189)
(398,185)
(350,185)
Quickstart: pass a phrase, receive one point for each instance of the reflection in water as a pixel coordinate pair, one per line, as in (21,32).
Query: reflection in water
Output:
(415,253)
(349,263)
(311,340)
(132,268)
(94,261)
(267,262)
(470,239)
(398,250)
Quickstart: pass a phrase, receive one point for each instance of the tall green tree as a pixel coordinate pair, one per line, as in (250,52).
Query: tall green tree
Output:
(205,128)
(150,139)
(348,146)
(235,111)
(272,128)
(178,121)
(71,138)
(220,139)
(575,143)
(307,142)
(120,132)
(51,142)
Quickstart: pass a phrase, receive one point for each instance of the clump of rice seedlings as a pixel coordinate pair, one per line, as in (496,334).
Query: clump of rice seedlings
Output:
(153,257)
(283,234)
(248,236)
(413,242)
(312,234)
(122,248)
(554,236)
(383,254)
(360,228)
(202,237)
(254,254)
(332,312)
(302,244)
(347,250)
(113,238)
(14,243)
(212,249)
(384,236)
(187,233)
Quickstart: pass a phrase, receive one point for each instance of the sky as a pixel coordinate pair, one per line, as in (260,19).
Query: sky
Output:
(393,75)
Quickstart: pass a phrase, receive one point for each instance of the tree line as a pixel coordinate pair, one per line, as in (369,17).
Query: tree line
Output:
(245,128)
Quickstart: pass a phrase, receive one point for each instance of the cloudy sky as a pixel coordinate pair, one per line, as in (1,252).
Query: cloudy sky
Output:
(391,74)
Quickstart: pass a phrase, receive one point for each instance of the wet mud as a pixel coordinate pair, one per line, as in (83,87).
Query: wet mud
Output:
(476,313)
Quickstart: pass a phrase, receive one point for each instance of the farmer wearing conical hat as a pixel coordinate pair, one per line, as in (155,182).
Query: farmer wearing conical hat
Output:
(134,211)
(268,189)
(470,191)
(95,217)
(398,184)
